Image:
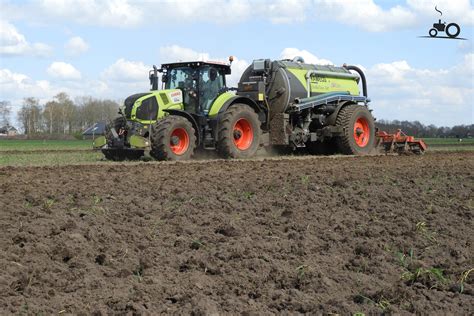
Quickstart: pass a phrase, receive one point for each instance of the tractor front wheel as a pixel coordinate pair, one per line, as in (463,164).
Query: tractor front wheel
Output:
(358,137)
(173,138)
(239,132)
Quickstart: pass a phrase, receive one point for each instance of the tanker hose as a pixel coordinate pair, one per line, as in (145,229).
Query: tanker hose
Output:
(298,59)
(362,77)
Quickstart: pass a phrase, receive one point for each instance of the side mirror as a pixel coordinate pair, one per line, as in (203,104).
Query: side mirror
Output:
(164,78)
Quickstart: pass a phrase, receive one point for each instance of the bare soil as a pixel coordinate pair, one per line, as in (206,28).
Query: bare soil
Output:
(378,234)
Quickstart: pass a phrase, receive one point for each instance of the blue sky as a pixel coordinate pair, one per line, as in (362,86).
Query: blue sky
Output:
(105,48)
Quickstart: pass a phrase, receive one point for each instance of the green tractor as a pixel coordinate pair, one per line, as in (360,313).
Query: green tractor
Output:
(283,104)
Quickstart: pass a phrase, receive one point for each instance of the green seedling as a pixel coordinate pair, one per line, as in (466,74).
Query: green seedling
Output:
(138,273)
(422,229)
(153,232)
(96,199)
(404,259)
(248,195)
(381,303)
(196,244)
(305,180)
(463,279)
(422,274)
(301,271)
(48,203)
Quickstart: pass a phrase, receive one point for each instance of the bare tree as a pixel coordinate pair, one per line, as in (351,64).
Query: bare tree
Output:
(30,115)
(5,111)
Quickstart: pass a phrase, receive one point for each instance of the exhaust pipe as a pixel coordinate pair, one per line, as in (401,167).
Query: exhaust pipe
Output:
(154,78)
(361,75)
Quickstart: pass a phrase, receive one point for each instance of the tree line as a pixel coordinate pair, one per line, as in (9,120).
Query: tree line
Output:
(428,131)
(61,115)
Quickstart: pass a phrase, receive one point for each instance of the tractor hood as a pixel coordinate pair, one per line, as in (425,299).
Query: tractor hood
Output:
(147,107)
(130,102)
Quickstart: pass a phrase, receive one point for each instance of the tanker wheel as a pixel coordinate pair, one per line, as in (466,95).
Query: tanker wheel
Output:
(358,137)
(453,35)
(173,138)
(239,132)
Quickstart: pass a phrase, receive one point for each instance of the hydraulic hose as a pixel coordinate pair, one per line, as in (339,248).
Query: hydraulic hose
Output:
(361,75)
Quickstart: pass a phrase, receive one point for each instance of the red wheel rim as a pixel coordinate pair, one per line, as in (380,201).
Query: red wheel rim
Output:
(361,132)
(243,134)
(179,141)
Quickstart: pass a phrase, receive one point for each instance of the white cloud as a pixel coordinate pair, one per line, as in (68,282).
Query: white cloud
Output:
(15,86)
(175,53)
(62,70)
(459,11)
(76,46)
(13,43)
(116,13)
(365,14)
(213,11)
(126,71)
(290,53)
(286,11)
(439,96)
(124,13)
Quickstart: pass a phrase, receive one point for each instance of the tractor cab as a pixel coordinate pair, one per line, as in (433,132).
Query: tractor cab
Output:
(200,82)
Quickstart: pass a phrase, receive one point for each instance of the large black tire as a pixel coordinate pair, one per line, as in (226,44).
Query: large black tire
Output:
(239,132)
(173,138)
(358,125)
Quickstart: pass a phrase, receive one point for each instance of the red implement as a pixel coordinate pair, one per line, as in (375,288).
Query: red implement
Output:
(400,143)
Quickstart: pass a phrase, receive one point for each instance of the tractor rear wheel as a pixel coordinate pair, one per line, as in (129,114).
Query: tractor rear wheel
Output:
(358,137)
(173,138)
(239,132)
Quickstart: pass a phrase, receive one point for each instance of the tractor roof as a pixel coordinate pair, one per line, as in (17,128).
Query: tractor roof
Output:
(195,64)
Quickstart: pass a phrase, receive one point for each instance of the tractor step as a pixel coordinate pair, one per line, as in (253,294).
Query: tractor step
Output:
(400,143)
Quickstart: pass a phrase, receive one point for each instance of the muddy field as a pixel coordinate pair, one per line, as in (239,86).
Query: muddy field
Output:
(297,235)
